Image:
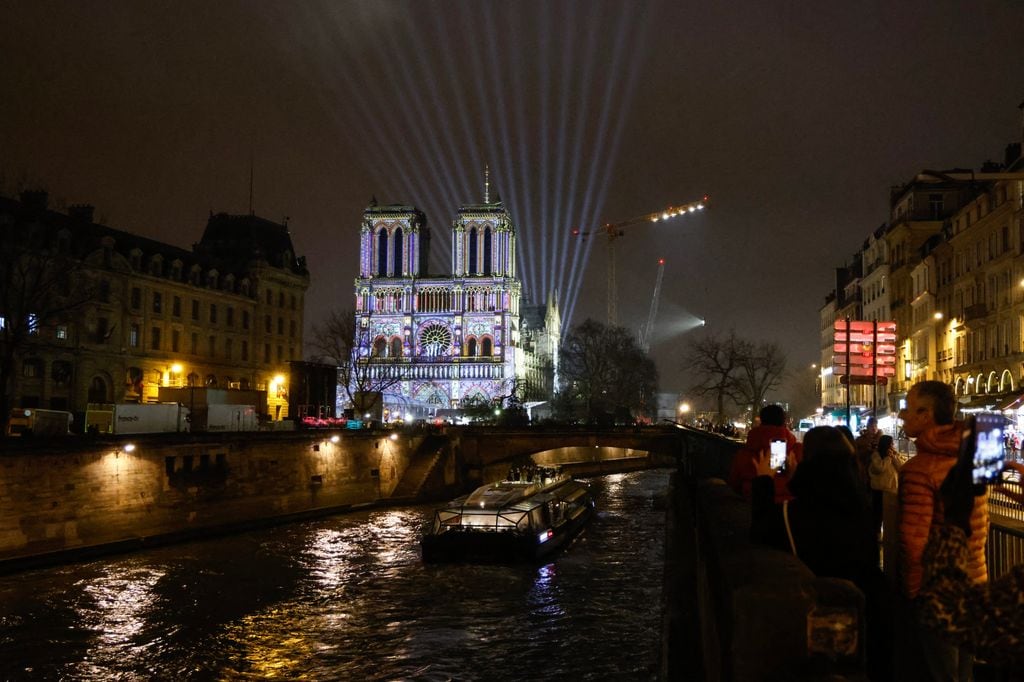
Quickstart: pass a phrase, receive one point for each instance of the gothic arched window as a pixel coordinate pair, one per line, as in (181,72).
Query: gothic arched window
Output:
(485,347)
(472,252)
(396,267)
(380,347)
(471,347)
(382,253)
(396,347)
(487,251)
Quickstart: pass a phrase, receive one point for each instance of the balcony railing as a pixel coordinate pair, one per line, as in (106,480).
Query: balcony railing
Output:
(975,312)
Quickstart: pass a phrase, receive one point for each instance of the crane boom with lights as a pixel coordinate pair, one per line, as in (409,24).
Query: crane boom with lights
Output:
(645,331)
(615,230)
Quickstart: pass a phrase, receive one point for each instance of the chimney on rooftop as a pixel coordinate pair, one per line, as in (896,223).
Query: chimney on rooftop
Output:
(81,212)
(1012,154)
(35,198)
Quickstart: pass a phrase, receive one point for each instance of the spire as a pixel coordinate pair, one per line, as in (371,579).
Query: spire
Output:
(487,184)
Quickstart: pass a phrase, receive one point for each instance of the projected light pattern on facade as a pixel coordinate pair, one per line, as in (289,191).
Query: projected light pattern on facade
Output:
(549,120)
(455,337)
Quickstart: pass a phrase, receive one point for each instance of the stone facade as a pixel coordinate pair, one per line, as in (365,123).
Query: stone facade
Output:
(226,314)
(445,340)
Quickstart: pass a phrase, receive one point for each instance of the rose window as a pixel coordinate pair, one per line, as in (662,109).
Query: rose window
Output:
(435,340)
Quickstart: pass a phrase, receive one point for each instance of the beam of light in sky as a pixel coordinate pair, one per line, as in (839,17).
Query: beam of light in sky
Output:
(623,97)
(426,95)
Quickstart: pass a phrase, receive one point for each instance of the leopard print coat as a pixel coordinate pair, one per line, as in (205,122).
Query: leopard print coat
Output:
(986,618)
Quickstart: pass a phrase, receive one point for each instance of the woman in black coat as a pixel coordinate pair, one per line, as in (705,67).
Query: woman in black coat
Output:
(830,527)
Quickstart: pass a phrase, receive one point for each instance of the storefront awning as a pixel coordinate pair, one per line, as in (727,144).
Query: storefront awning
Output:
(1011,401)
(978,402)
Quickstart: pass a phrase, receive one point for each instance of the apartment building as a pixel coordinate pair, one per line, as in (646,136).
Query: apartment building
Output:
(948,268)
(227,314)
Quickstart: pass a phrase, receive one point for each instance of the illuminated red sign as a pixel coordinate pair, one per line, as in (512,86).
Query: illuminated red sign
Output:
(864,349)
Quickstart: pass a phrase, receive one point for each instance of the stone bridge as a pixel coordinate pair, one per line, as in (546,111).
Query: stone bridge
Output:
(456,458)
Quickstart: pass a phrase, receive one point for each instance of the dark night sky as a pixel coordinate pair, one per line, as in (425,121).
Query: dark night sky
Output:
(795,117)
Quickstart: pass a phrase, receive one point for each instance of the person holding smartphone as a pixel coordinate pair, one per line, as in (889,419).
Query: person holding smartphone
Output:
(928,418)
(985,618)
(764,437)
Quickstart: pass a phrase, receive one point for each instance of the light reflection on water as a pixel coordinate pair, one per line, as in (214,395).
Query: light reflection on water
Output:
(348,597)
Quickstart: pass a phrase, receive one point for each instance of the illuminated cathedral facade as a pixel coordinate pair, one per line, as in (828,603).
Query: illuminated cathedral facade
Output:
(438,342)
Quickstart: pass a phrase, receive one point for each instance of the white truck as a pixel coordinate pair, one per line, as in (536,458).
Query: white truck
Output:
(231,418)
(148,418)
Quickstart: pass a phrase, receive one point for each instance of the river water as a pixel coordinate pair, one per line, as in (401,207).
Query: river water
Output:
(347,598)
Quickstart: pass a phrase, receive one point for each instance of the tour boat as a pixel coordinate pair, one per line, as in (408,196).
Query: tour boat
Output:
(530,514)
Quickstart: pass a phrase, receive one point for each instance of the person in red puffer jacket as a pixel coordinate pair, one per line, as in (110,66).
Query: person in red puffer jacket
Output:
(928,419)
(744,463)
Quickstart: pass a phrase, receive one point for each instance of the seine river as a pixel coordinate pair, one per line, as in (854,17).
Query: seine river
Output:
(347,598)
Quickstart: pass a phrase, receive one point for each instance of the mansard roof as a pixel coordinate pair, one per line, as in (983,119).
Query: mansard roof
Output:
(214,252)
(240,239)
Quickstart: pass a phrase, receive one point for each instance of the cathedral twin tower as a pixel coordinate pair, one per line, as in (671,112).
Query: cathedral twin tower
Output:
(435,342)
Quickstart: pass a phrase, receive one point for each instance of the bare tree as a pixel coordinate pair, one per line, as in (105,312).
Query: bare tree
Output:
(365,370)
(602,368)
(714,363)
(762,366)
(42,283)
(735,369)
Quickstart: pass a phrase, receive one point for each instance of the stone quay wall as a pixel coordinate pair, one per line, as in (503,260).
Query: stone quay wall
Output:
(70,496)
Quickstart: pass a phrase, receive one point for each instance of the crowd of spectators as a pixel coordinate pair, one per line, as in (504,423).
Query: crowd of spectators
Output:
(932,617)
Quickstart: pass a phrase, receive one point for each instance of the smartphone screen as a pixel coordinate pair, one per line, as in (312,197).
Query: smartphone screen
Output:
(778,460)
(989,455)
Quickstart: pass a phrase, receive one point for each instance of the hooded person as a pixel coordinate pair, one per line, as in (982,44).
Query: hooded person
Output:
(772,427)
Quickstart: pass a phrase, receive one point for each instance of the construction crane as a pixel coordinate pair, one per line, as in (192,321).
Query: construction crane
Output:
(615,230)
(647,329)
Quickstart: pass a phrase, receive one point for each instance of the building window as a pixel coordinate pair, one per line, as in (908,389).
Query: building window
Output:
(487,251)
(136,301)
(396,262)
(472,252)
(270,297)
(291,328)
(228,348)
(213,313)
(102,330)
(280,299)
(194,348)
(176,306)
(280,325)
(155,338)
(133,336)
(175,340)
(382,253)
(61,332)
(245,319)
(195,309)
(158,302)
(267,324)
(104,291)
(32,368)
(213,346)
(266,353)
(245,350)
(61,370)
(293,301)
(280,354)
(231,316)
